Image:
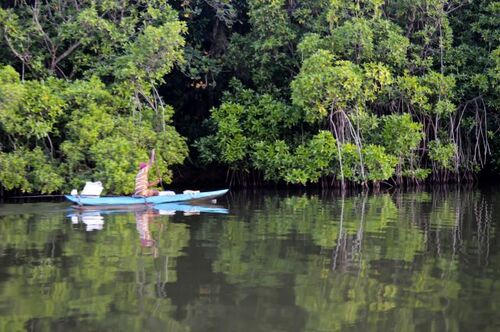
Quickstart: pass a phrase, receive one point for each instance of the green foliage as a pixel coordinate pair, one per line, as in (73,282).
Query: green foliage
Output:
(341,10)
(315,159)
(384,78)
(395,75)
(242,123)
(307,163)
(153,53)
(87,99)
(137,40)
(379,164)
(400,134)
(351,162)
(412,90)
(230,137)
(65,133)
(29,110)
(353,40)
(98,137)
(391,45)
(310,44)
(443,154)
(377,78)
(270,39)
(269,49)
(274,159)
(29,171)
(13,171)
(324,83)
(440,86)
(264,117)
(419,174)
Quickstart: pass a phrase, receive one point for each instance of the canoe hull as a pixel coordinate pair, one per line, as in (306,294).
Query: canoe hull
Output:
(153,200)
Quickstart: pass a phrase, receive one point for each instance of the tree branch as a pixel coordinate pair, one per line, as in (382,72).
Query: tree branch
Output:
(16,53)
(67,52)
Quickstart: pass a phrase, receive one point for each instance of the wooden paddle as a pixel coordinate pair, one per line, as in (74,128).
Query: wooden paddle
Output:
(157,167)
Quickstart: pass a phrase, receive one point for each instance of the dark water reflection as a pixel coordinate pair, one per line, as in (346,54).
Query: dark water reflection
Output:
(419,261)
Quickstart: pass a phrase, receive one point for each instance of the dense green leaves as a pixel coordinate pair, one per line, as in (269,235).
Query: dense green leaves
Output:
(85,105)
(442,154)
(79,131)
(324,83)
(308,163)
(387,80)
(29,110)
(29,171)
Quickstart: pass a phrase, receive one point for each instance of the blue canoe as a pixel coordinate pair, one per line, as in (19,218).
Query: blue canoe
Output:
(129,200)
(166,208)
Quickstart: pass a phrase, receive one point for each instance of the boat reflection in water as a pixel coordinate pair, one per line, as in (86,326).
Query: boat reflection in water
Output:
(157,241)
(93,218)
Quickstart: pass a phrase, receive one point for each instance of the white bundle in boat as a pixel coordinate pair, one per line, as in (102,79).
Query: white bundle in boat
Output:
(92,189)
(191,192)
(166,193)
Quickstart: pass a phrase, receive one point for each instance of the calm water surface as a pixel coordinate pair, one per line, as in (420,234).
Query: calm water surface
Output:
(273,261)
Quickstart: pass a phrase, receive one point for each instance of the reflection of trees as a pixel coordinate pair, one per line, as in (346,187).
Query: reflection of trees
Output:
(415,268)
(102,277)
(317,262)
(377,260)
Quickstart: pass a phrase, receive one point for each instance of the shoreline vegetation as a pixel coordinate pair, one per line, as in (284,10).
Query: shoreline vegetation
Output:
(328,93)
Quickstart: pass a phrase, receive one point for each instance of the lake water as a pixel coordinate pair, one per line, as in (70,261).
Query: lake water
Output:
(258,261)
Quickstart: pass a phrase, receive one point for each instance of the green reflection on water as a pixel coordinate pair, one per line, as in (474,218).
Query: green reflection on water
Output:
(326,262)
(56,270)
